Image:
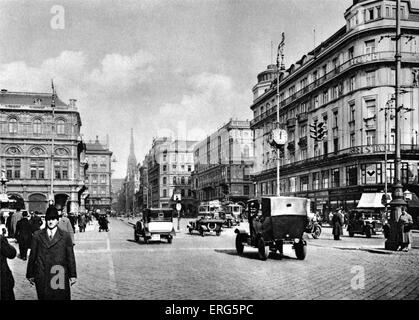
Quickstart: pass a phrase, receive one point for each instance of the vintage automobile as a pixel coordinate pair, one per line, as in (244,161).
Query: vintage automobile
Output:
(156,224)
(231,214)
(206,221)
(366,222)
(273,223)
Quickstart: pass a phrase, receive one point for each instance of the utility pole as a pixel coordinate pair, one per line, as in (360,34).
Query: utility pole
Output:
(52,200)
(398,199)
(280,68)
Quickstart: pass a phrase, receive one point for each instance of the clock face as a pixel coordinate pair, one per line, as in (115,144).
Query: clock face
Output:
(279,136)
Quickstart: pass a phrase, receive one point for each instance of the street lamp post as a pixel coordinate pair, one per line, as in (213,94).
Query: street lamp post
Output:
(398,202)
(51,200)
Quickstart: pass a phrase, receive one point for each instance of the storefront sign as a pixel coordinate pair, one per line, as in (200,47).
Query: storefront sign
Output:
(376,148)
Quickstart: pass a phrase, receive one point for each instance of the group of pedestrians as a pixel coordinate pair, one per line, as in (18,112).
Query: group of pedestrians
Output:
(404,226)
(51,265)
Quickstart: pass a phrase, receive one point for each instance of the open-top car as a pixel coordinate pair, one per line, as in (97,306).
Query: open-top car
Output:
(156,224)
(207,221)
(274,222)
(366,222)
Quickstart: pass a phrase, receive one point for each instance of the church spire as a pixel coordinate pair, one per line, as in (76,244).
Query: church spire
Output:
(132,161)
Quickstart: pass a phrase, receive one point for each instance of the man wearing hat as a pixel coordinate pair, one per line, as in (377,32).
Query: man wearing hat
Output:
(23,235)
(52,265)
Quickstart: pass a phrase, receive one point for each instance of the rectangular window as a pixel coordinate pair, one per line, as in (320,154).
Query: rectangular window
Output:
(371,137)
(335,145)
(316,180)
(352,140)
(370,76)
(352,83)
(61,169)
(303,183)
(335,178)
(303,131)
(335,119)
(325,96)
(351,53)
(13,167)
(316,102)
(352,111)
(369,46)
(325,179)
(351,175)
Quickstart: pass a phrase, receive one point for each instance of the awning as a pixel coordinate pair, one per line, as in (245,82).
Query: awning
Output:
(372,200)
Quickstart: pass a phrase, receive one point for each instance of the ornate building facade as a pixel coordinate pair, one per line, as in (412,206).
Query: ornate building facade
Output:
(41,150)
(346,83)
(223,163)
(99,175)
(169,167)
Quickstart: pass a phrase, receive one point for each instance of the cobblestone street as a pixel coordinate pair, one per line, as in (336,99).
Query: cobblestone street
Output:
(112,266)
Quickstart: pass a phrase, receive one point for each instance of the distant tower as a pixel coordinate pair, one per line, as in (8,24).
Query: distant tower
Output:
(130,177)
(132,161)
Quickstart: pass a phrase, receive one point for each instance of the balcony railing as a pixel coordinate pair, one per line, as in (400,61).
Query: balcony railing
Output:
(356,61)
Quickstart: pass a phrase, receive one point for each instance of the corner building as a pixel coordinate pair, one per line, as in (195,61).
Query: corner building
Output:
(344,82)
(26,131)
(223,163)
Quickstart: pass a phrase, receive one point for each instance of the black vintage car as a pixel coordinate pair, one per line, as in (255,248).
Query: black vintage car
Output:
(206,222)
(365,222)
(278,221)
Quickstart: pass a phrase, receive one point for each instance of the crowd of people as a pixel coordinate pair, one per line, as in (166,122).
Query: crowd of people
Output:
(51,250)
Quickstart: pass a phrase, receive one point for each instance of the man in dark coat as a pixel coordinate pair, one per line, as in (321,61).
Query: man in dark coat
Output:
(337,223)
(52,265)
(9,225)
(7,282)
(23,235)
(36,222)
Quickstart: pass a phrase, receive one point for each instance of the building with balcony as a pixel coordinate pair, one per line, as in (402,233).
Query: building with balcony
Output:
(223,163)
(42,151)
(99,175)
(346,82)
(169,167)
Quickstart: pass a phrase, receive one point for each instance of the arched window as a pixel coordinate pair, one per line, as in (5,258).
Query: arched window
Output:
(37,126)
(164,180)
(13,125)
(60,126)
(245,151)
(182,180)
(174,180)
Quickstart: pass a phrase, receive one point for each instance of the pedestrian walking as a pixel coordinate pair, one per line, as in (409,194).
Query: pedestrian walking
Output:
(23,235)
(15,218)
(36,222)
(337,223)
(65,225)
(9,224)
(7,281)
(82,222)
(405,230)
(52,265)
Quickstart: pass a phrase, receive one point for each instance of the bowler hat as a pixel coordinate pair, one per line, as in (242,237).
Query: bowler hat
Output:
(52,213)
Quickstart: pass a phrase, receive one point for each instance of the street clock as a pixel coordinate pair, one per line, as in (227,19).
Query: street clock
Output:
(278,137)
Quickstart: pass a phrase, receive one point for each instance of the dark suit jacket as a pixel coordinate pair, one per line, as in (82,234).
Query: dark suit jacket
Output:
(52,262)
(24,232)
(6,277)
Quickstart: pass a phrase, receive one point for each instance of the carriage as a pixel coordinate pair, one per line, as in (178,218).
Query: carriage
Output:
(274,222)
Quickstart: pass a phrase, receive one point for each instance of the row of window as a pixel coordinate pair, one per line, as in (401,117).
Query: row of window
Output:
(183,193)
(177,157)
(37,126)
(375,13)
(368,173)
(98,190)
(175,167)
(103,178)
(37,169)
(178,180)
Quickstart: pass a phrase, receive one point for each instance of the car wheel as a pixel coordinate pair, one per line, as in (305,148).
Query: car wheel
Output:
(169,240)
(300,250)
(136,237)
(218,233)
(263,250)
(317,232)
(368,232)
(239,245)
(201,232)
(190,230)
(351,233)
(145,240)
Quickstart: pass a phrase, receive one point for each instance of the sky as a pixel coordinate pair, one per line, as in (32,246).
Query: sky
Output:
(178,67)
